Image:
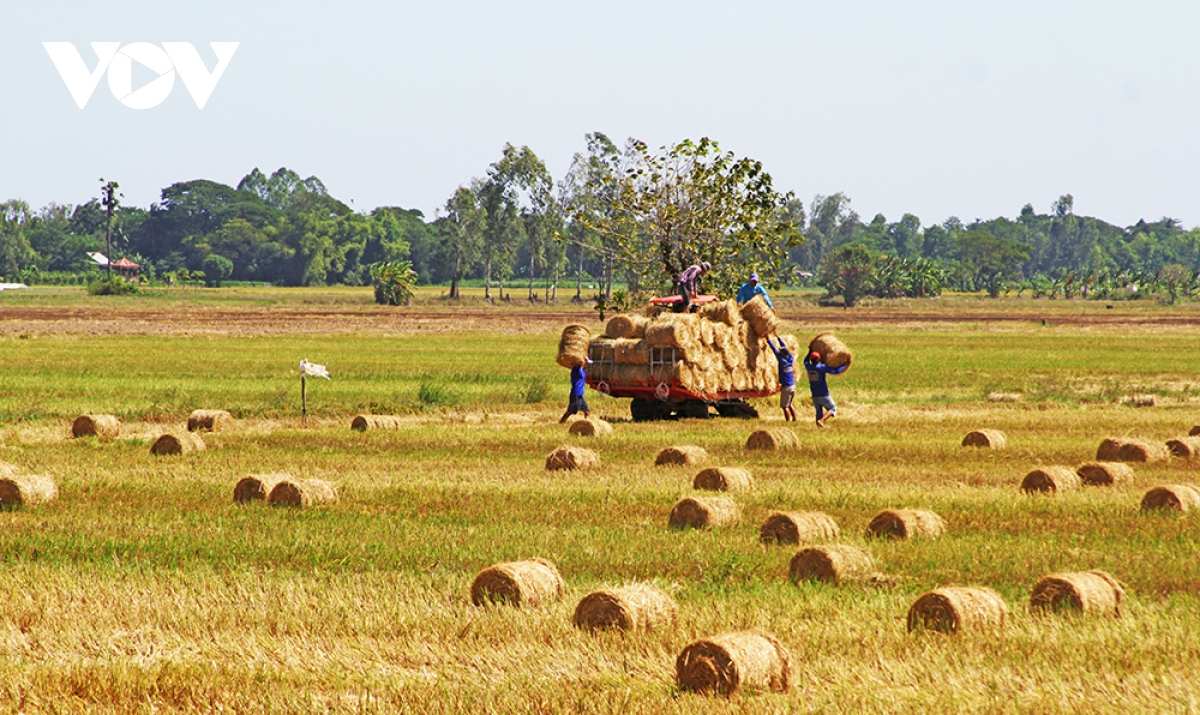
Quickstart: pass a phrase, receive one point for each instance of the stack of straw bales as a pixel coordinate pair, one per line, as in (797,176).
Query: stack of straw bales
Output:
(905,524)
(704,513)
(362,423)
(795,527)
(177,443)
(1172,497)
(302,493)
(518,583)
(590,427)
(1090,592)
(992,438)
(19,490)
(571,458)
(720,349)
(209,420)
(955,609)
(683,454)
(724,479)
(103,426)
(634,607)
(727,663)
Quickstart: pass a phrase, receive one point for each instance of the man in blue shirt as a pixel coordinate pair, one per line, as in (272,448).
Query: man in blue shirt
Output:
(787,378)
(817,371)
(750,289)
(577,402)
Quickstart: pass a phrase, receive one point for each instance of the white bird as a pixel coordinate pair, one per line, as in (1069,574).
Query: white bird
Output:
(311,369)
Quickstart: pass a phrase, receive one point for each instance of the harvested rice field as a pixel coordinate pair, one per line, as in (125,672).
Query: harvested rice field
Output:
(138,584)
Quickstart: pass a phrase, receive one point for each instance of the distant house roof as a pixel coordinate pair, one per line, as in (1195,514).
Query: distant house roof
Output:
(99,258)
(124,263)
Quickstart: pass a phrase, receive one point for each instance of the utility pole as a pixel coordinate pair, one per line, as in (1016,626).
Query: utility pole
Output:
(110,202)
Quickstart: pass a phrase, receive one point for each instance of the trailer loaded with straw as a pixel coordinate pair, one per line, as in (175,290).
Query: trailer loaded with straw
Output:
(683,364)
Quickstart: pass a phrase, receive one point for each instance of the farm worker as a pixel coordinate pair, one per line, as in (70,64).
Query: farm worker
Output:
(577,403)
(787,378)
(750,289)
(817,371)
(689,284)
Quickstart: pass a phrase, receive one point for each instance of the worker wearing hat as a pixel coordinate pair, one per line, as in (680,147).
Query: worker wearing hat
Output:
(752,288)
(689,284)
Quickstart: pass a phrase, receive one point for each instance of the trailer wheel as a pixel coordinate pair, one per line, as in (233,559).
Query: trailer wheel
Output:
(737,408)
(643,410)
(694,409)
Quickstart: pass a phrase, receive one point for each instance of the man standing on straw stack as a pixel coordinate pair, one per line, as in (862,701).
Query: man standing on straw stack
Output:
(689,285)
(817,371)
(577,402)
(750,289)
(787,377)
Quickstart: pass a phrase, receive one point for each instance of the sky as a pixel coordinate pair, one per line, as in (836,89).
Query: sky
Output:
(939,109)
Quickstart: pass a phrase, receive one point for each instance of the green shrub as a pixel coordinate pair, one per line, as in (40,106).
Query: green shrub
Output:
(438,393)
(111,286)
(536,390)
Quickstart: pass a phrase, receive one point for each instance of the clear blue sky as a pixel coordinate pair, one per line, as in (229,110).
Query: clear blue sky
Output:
(934,108)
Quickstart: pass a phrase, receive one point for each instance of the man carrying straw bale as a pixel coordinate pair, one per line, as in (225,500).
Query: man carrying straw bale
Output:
(689,285)
(787,380)
(577,403)
(817,371)
(750,289)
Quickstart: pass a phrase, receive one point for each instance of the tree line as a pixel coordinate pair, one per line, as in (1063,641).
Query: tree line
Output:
(629,215)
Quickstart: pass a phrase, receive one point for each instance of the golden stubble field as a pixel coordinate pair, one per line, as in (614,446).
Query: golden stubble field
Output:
(144,588)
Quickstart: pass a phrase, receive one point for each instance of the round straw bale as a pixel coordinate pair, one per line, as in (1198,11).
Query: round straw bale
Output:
(704,513)
(727,663)
(571,458)
(833,352)
(1083,591)
(1104,474)
(724,479)
(302,493)
(638,606)
(209,420)
(1187,447)
(1141,451)
(905,524)
(1171,497)
(993,438)
(573,346)
(773,439)
(626,325)
(955,609)
(1107,451)
(104,426)
(676,330)
(834,563)
(362,423)
(723,311)
(6,469)
(795,527)
(256,487)
(590,427)
(26,490)
(630,352)
(518,583)
(1139,400)
(177,443)
(1051,479)
(760,316)
(684,454)
(1194,431)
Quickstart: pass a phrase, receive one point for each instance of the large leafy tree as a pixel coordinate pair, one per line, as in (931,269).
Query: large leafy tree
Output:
(461,232)
(849,271)
(588,196)
(691,202)
(993,260)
